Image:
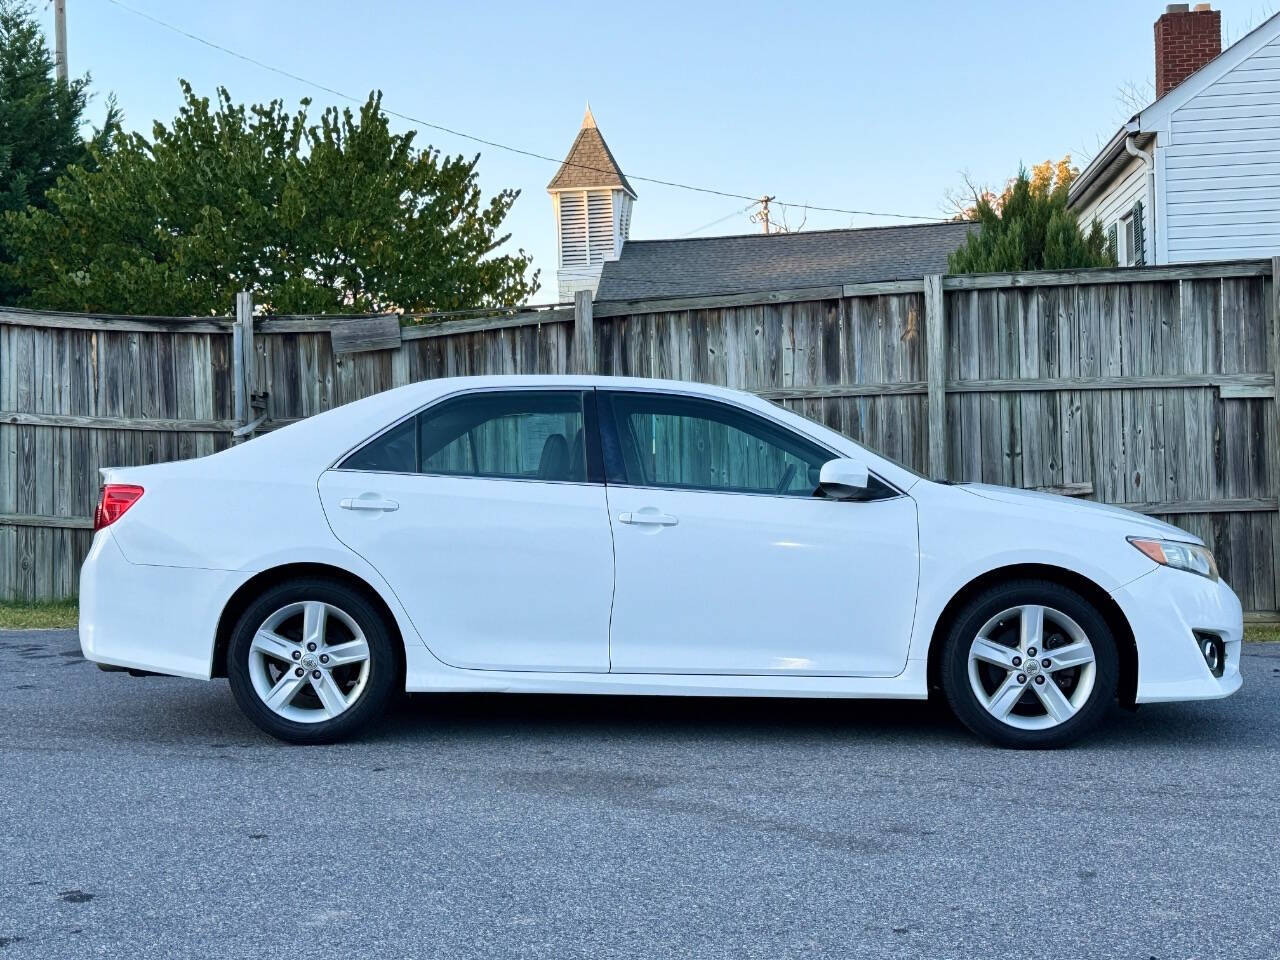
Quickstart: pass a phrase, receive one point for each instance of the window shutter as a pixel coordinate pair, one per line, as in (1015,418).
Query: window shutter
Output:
(1113,242)
(1140,258)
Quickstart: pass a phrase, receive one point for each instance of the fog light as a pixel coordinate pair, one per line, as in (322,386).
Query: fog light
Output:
(1213,651)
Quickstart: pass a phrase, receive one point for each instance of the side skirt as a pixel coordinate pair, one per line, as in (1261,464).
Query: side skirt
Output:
(425,674)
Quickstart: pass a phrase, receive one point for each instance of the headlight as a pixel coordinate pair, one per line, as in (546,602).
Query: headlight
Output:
(1181,556)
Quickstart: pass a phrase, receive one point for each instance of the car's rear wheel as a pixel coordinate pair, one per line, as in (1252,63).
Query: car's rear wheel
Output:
(311,661)
(1030,664)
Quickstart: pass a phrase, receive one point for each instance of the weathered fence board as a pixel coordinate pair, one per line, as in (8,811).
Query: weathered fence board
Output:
(1151,388)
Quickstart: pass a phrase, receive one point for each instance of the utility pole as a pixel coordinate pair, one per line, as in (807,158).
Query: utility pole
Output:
(763,216)
(60,38)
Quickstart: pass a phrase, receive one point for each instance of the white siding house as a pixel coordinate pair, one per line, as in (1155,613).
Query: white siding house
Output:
(1124,211)
(1201,165)
(1220,155)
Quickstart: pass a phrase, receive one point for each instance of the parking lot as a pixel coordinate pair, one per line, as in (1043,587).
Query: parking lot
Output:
(144,817)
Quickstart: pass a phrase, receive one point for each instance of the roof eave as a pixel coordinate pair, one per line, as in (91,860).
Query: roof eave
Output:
(601,186)
(1094,178)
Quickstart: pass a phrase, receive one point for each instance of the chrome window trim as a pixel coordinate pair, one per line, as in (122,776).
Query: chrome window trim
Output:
(466,476)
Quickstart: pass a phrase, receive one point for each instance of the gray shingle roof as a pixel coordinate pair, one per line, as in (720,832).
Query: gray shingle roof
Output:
(590,163)
(651,269)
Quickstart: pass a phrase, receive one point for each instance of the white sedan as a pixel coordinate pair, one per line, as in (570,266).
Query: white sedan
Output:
(576,534)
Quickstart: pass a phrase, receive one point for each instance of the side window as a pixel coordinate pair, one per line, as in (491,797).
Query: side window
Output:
(687,442)
(536,435)
(515,435)
(396,451)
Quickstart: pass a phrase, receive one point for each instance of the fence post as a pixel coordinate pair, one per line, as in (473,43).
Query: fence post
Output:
(242,359)
(935,340)
(1272,289)
(582,355)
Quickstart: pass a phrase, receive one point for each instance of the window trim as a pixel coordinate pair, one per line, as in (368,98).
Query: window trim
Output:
(590,433)
(611,435)
(1125,238)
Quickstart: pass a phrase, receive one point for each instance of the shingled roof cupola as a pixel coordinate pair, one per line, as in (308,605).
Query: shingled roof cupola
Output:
(592,202)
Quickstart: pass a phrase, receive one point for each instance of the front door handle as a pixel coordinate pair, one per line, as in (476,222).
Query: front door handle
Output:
(649,517)
(368,503)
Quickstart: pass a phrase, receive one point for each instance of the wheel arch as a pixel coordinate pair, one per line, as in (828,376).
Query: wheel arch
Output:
(1091,591)
(244,595)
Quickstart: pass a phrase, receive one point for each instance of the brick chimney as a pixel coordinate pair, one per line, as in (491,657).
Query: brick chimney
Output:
(1186,39)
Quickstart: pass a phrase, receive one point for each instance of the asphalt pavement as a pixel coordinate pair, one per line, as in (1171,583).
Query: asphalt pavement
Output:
(144,817)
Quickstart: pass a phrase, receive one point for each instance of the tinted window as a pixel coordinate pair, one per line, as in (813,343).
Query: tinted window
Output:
(699,444)
(396,451)
(530,435)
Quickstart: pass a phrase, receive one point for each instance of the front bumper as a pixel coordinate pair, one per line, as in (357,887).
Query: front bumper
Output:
(1165,608)
(150,618)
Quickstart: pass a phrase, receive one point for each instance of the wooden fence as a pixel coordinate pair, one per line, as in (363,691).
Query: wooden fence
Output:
(1151,388)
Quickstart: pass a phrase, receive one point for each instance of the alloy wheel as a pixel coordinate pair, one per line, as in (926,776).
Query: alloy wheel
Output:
(309,661)
(1032,667)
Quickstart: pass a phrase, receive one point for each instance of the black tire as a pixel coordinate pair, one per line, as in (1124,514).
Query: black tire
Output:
(383,663)
(975,615)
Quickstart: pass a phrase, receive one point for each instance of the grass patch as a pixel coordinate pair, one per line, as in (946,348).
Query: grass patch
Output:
(1262,633)
(41,615)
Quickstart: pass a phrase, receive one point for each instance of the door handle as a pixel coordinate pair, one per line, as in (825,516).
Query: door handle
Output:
(649,518)
(368,503)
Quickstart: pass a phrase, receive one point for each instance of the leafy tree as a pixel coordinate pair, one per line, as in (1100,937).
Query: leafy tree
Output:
(40,122)
(335,216)
(1028,227)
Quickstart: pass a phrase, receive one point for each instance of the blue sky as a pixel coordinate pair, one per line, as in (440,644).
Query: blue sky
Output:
(867,106)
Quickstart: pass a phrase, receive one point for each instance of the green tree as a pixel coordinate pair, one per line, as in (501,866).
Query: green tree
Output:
(1028,227)
(40,123)
(335,216)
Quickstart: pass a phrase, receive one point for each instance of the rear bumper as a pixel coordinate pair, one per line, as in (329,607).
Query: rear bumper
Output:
(1165,608)
(157,619)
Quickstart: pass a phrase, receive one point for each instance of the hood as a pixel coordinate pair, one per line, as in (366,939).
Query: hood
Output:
(1139,522)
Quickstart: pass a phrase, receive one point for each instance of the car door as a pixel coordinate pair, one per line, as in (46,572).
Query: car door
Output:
(486,514)
(728,562)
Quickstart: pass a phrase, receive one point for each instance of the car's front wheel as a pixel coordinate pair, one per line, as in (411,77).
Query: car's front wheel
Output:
(1030,664)
(311,661)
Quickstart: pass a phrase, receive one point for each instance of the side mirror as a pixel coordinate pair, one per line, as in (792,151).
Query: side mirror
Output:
(843,479)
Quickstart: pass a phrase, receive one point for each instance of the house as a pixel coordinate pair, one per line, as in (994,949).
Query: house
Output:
(1196,175)
(592,199)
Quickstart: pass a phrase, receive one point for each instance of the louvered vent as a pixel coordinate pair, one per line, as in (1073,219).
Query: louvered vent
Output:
(573,230)
(600,224)
(625,228)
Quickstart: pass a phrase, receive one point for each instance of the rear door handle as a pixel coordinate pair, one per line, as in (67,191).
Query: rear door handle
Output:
(649,518)
(368,503)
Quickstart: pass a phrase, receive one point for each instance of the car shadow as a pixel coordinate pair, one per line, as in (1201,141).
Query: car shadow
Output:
(675,715)
(760,720)
(165,711)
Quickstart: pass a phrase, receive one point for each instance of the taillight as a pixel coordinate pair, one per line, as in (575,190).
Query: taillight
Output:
(114,500)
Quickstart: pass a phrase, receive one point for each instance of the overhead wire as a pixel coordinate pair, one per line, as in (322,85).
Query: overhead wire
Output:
(452,131)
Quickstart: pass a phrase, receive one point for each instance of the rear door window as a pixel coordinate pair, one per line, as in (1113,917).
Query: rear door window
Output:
(514,435)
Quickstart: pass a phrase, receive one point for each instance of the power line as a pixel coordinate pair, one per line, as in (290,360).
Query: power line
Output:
(727,216)
(408,118)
